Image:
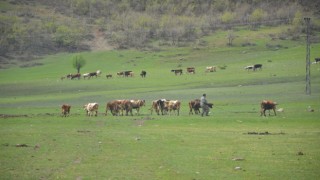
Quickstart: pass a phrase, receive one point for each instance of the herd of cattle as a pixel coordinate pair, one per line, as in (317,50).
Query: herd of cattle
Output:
(160,106)
(143,73)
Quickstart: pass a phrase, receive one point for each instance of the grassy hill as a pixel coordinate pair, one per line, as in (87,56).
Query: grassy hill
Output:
(165,147)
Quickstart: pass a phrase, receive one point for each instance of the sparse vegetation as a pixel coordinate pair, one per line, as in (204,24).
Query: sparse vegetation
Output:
(32,28)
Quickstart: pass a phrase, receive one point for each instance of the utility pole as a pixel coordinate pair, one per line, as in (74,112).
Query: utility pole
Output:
(308,83)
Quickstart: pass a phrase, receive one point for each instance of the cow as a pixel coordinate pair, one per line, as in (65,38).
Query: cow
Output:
(194,105)
(136,104)
(316,61)
(131,74)
(85,75)
(120,73)
(211,69)
(93,74)
(143,74)
(158,106)
(250,67)
(177,71)
(172,105)
(109,76)
(125,105)
(127,73)
(65,109)
(257,66)
(114,107)
(98,72)
(90,108)
(191,70)
(267,105)
(73,76)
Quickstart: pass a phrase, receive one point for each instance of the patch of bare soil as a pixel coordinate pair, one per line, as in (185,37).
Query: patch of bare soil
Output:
(99,41)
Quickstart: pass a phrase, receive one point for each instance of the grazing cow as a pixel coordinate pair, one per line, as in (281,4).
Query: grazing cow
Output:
(127,73)
(143,74)
(93,74)
(172,105)
(211,69)
(191,70)
(114,107)
(316,61)
(109,76)
(120,73)
(73,76)
(194,105)
(257,66)
(251,67)
(85,75)
(267,105)
(177,71)
(65,109)
(136,104)
(90,108)
(98,72)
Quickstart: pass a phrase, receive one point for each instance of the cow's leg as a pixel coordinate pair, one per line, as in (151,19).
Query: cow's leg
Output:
(274,110)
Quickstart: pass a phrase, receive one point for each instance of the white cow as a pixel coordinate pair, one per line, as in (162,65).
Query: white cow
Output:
(90,108)
(211,69)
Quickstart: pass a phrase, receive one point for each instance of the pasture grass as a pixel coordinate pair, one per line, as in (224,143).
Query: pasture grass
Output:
(149,146)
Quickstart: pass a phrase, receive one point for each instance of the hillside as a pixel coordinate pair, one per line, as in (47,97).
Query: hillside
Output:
(32,28)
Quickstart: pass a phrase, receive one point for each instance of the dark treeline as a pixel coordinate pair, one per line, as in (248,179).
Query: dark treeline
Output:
(43,27)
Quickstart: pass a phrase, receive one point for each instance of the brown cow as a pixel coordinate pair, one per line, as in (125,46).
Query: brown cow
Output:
(114,107)
(125,105)
(136,104)
(194,105)
(268,105)
(172,105)
(65,109)
(191,70)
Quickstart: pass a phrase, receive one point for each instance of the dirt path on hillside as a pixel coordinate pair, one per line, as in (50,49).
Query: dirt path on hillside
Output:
(99,42)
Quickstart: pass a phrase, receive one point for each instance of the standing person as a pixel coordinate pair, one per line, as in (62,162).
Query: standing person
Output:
(204,105)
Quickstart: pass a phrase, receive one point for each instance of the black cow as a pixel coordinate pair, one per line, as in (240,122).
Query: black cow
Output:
(257,66)
(143,74)
(177,71)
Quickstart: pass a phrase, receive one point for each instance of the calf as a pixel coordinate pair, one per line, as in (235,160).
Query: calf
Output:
(90,108)
(267,105)
(65,109)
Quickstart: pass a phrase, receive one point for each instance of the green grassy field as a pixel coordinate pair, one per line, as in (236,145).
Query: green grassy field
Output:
(165,147)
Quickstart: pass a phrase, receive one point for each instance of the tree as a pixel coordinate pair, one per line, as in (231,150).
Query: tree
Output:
(78,62)
(231,36)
